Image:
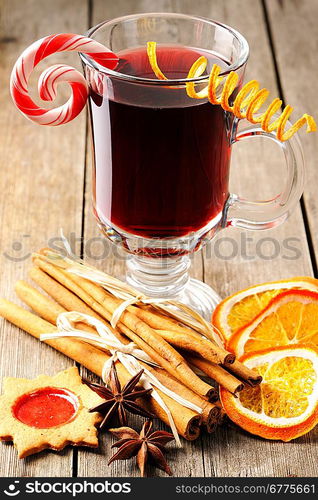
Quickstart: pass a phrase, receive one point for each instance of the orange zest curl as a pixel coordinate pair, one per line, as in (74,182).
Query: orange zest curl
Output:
(248,101)
(152,56)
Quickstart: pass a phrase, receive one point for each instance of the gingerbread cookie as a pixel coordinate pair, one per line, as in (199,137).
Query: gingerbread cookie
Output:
(48,412)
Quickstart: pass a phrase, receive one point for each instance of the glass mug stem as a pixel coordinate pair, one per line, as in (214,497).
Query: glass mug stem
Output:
(169,278)
(158,277)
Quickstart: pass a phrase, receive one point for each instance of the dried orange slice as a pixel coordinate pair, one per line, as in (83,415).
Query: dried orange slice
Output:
(290,318)
(285,405)
(241,308)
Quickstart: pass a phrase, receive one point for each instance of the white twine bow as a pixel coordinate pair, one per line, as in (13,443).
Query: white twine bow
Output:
(127,354)
(105,339)
(139,299)
(181,312)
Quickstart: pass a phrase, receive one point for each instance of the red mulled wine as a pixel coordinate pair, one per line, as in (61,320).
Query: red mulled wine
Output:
(161,159)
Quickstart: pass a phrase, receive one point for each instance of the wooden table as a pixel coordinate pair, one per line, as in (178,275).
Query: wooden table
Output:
(45,185)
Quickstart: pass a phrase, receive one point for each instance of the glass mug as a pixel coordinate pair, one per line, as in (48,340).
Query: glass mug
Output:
(162,159)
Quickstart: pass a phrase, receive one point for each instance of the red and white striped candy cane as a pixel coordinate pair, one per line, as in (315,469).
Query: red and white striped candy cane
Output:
(50,78)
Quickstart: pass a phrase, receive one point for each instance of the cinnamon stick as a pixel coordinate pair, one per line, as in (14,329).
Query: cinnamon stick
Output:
(49,310)
(45,307)
(211,412)
(95,293)
(38,303)
(187,421)
(217,373)
(188,342)
(161,322)
(223,414)
(59,293)
(143,335)
(251,377)
(72,302)
(66,299)
(58,286)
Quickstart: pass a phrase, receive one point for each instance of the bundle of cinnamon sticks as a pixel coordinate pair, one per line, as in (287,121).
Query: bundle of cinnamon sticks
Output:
(182,354)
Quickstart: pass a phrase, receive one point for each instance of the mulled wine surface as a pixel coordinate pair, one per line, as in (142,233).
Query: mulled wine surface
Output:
(161,158)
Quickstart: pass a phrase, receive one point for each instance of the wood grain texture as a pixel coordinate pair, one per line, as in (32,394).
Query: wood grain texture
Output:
(256,172)
(238,453)
(185,462)
(43,188)
(41,181)
(295,38)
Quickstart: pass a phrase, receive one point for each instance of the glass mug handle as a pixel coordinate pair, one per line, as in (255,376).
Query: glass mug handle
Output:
(248,214)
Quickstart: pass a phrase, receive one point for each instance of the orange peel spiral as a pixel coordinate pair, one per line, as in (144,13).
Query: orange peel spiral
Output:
(152,56)
(246,104)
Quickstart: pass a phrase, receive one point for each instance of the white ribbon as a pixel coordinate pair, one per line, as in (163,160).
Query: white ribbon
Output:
(105,339)
(139,299)
(121,308)
(75,265)
(127,354)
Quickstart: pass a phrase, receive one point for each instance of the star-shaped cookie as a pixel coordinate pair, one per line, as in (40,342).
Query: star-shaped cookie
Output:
(48,412)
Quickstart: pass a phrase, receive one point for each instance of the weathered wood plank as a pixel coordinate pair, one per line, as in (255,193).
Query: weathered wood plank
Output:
(257,174)
(41,184)
(188,461)
(295,38)
(230,452)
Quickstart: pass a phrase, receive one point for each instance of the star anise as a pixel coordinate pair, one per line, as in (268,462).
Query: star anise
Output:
(119,400)
(146,446)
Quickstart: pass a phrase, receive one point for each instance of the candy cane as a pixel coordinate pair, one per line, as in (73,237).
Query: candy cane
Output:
(50,78)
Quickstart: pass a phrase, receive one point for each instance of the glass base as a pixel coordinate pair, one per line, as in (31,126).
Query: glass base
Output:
(169,279)
(200,297)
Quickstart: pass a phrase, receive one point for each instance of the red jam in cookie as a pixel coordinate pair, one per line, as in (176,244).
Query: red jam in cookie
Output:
(46,407)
